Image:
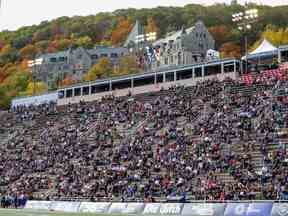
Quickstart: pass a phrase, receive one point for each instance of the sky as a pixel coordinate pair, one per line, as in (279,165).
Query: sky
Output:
(18,13)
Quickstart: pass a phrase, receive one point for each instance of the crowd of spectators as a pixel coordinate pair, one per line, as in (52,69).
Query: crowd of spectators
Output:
(13,201)
(175,144)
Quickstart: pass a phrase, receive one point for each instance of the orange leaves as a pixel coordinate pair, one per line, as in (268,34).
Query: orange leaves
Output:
(67,81)
(120,33)
(28,52)
(221,34)
(230,49)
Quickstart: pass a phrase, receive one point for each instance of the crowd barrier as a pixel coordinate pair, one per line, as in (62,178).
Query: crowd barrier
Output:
(186,209)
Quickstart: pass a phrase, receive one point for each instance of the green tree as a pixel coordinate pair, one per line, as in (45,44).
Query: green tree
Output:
(128,65)
(101,69)
(28,52)
(8,54)
(4,98)
(85,42)
(36,88)
(15,82)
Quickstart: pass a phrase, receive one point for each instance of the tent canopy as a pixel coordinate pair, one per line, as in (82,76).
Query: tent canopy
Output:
(264,49)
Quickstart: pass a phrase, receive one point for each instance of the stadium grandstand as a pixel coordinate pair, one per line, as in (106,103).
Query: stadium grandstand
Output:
(215,140)
(208,131)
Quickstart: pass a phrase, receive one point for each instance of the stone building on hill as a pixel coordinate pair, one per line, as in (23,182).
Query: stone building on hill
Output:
(186,46)
(74,63)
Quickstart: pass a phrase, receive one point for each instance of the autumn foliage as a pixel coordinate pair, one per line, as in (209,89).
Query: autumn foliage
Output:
(16,47)
(68,80)
(120,33)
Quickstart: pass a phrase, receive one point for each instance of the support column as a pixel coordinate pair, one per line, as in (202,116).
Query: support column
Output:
(175,76)
(222,68)
(202,68)
(110,85)
(164,77)
(193,73)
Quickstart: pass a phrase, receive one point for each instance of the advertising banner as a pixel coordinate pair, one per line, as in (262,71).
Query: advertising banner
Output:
(259,209)
(151,208)
(65,206)
(171,208)
(133,208)
(280,209)
(204,209)
(236,209)
(38,205)
(88,207)
(117,208)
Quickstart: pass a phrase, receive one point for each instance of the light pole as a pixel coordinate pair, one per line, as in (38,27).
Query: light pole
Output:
(244,22)
(33,65)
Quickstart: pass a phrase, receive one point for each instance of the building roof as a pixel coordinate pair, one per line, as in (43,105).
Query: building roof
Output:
(172,36)
(96,50)
(104,49)
(137,30)
(55,55)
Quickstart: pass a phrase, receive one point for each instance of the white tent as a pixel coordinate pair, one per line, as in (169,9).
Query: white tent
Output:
(265,48)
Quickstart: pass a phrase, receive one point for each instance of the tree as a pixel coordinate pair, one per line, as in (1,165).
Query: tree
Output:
(120,33)
(85,42)
(52,47)
(28,52)
(234,2)
(36,88)
(5,71)
(276,36)
(14,81)
(8,54)
(42,45)
(152,26)
(101,69)
(230,49)
(5,98)
(63,44)
(67,81)
(221,34)
(128,65)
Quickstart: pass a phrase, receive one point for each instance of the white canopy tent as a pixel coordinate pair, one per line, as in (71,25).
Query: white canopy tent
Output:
(264,49)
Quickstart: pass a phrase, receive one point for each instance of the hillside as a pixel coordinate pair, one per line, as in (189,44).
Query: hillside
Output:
(112,29)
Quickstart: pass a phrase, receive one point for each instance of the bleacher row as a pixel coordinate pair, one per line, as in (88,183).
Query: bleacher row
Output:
(213,141)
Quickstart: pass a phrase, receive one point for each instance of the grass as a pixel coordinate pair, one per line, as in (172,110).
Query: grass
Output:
(25,212)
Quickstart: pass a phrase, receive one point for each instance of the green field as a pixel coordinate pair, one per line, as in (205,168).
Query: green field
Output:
(22,212)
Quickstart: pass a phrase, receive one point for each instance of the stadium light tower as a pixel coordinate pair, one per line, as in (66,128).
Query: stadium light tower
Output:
(143,38)
(244,21)
(33,64)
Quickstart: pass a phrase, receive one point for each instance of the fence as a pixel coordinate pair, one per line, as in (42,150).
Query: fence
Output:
(243,208)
